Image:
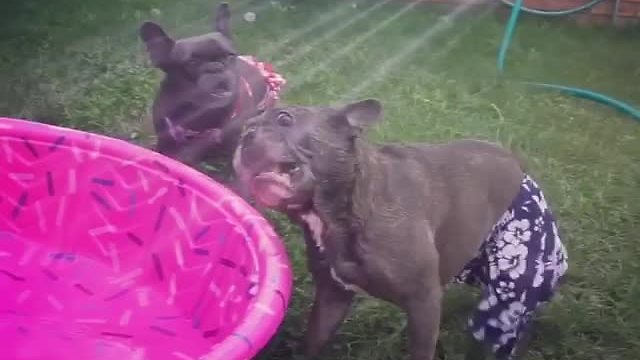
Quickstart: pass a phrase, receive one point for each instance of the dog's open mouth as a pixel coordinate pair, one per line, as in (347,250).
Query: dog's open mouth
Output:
(270,188)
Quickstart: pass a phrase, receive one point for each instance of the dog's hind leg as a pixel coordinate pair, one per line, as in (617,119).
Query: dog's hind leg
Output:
(523,343)
(475,350)
(440,353)
(423,313)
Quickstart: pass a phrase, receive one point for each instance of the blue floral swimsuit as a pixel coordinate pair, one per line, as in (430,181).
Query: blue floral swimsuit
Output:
(518,268)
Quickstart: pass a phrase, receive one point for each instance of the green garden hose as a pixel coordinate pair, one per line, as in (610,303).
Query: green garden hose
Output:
(556,12)
(582,93)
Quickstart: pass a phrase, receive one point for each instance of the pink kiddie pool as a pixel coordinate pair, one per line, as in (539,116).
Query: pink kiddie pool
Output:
(111,251)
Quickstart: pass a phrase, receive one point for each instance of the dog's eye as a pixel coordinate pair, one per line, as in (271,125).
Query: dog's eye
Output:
(289,167)
(284,119)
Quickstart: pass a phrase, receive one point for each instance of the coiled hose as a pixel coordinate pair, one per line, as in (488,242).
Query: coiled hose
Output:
(578,92)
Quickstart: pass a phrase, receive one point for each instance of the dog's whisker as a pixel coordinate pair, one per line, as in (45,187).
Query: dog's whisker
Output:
(329,35)
(306,76)
(420,42)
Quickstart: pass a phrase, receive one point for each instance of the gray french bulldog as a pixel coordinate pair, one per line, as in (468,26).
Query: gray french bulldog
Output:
(208,91)
(402,222)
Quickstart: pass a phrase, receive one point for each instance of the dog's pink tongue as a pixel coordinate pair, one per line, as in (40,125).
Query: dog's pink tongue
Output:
(270,189)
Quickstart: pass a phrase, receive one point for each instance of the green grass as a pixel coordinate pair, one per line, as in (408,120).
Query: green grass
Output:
(79,63)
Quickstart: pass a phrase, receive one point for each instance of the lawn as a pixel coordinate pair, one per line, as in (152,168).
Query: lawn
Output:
(79,63)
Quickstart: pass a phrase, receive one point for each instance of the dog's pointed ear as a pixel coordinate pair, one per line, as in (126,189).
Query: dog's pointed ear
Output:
(158,43)
(150,31)
(363,114)
(223,20)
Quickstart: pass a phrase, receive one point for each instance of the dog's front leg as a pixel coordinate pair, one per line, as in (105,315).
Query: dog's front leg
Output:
(423,313)
(331,303)
(330,307)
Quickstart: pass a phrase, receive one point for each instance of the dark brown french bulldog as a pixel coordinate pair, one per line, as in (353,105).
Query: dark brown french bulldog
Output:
(207,92)
(401,222)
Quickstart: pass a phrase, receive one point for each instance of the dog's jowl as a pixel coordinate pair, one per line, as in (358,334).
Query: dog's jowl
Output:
(208,91)
(401,222)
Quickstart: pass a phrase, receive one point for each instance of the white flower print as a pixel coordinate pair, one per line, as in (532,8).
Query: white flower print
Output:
(506,218)
(479,334)
(554,231)
(506,337)
(558,263)
(490,301)
(510,318)
(497,245)
(462,277)
(492,251)
(493,322)
(525,257)
(506,290)
(538,279)
(493,268)
(518,231)
(538,224)
(558,253)
(562,256)
(542,202)
(513,260)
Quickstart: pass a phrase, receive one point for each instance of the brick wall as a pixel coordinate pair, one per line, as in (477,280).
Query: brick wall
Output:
(628,10)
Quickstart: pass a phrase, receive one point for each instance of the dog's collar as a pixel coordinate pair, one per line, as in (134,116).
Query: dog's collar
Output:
(274,82)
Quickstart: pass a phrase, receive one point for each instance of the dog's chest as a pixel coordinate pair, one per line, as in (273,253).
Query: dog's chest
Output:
(316,227)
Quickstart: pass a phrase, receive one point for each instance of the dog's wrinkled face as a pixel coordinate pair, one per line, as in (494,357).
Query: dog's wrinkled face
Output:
(283,152)
(206,61)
